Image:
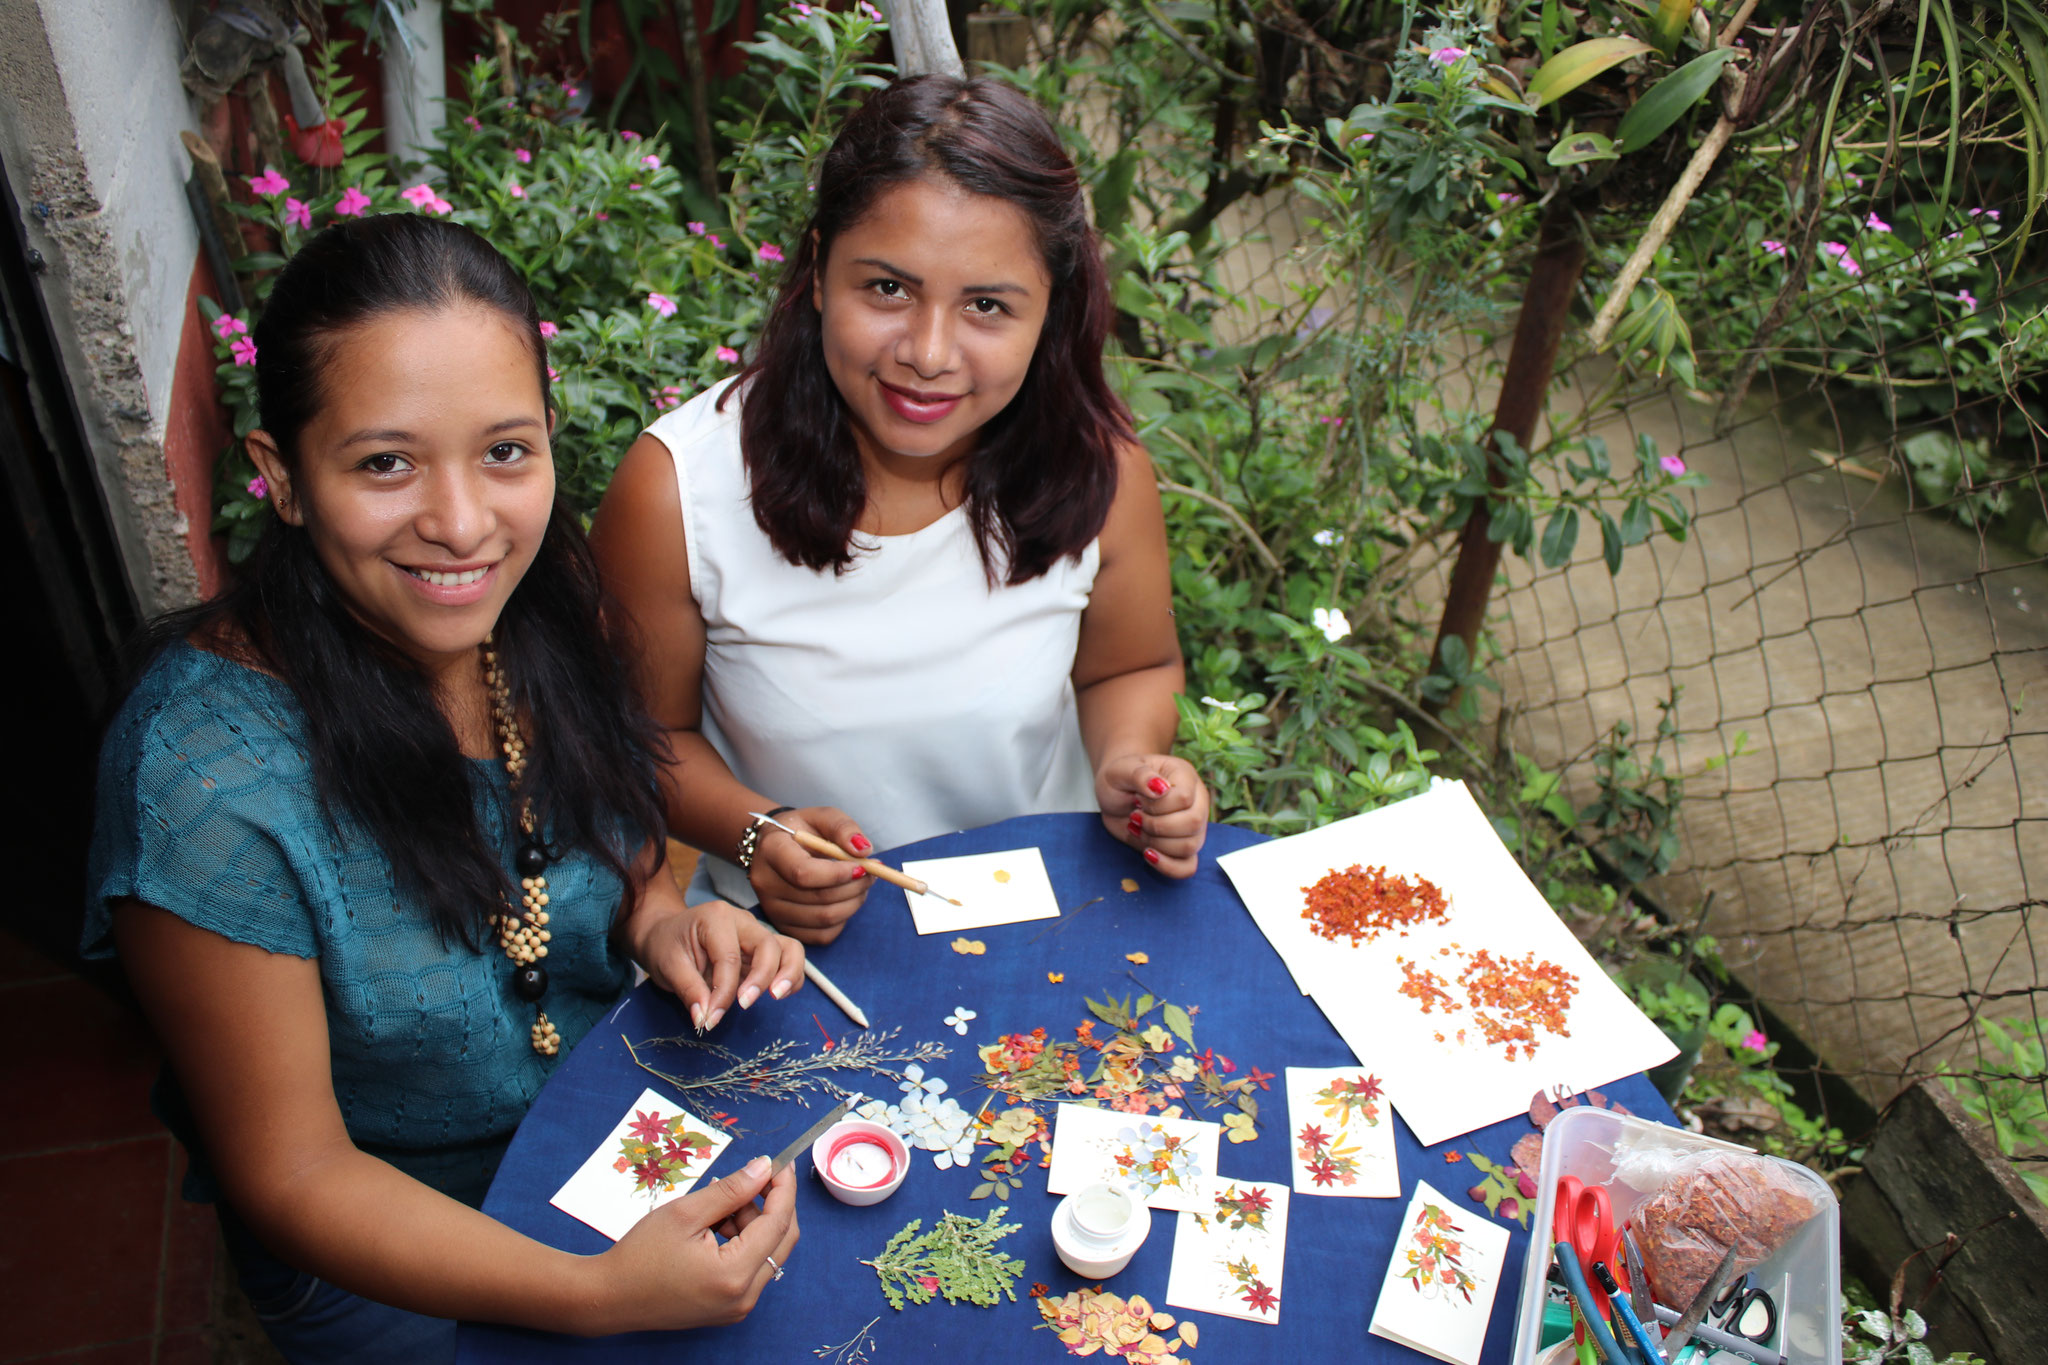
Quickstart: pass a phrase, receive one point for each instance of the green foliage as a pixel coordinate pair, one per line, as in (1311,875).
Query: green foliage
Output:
(957,1258)
(1635,807)
(2006,1092)
(1872,1336)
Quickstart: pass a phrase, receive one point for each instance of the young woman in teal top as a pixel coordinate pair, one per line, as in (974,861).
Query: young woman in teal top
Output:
(378,833)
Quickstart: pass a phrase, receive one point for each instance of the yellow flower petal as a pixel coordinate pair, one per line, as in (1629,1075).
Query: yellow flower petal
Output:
(1140,958)
(969,945)
(1190,1333)
(1130,883)
(1162,1321)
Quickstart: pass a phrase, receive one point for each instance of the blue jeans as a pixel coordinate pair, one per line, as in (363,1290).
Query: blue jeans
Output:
(312,1322)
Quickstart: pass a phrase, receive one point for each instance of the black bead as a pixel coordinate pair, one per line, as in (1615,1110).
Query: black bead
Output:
(530,983)
(532,860)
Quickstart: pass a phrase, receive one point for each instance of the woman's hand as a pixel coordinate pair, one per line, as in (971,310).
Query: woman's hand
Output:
(810,897)
(709,955)
(1157,804)
(673,1271)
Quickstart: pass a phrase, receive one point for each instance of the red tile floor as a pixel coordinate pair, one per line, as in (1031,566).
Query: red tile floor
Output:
(101,1263)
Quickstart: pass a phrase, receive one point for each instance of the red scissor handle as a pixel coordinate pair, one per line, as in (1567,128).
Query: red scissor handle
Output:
(1584,1217)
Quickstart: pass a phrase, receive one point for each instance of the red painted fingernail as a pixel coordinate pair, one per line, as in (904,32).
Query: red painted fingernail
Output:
(1137,819)
(858,872)
(1158,786)
(1152,856)
(860,843)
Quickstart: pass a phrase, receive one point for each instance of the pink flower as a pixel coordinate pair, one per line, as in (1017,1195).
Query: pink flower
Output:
(440,206)
(696,229)
(422,196)
(515,189)
(522,156)
(1449,56)
(1771,248)
(1365,137)
(1510,199)
(727,355)
(1967,299)
(1842,257)
(633,185)
(259,487)
(662,304)
(651,162)
(469,121)
(569,90)
(269,184)
(870,11)
(771,254)
(298,213)
(712,238)
(602,216)
(352,202)
(800,9)
(554,375)
(1671,464)
(1992,214)
(931,1284)
(668,396)
(228,325)
(628,135)
(1876,224)
(244,351)
(1755,1041)
(549,330)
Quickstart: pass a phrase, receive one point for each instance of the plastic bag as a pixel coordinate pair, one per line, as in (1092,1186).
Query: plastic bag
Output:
(1708,1202)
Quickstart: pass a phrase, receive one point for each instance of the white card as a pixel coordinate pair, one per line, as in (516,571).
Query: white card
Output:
(1162,1161)
(1445,1078)
(992,888)
(655,1154)
(1228,1255)
(1341,1133)
(1440,1284)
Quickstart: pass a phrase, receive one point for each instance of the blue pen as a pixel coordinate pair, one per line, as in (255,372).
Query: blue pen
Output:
(1643,1340)
(1582,1295)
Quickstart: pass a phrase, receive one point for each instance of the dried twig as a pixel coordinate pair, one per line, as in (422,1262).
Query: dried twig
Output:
(778,1072)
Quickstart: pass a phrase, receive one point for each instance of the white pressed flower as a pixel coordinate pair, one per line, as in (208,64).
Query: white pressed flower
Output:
(1331,623)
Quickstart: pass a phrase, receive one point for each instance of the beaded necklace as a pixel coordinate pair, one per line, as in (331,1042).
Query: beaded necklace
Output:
(524,936)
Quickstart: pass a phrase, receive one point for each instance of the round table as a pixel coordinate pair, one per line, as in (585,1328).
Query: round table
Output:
(1204,953)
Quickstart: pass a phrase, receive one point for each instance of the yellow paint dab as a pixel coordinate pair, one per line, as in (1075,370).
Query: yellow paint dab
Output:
(1140,958)
(1130,883)
(970,945)
(1001,875)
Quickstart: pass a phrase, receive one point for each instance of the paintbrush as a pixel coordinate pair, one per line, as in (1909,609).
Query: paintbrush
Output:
(825,848)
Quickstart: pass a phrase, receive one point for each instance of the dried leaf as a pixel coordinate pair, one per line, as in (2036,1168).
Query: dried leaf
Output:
(1528,1152)
(1143,1007)
(1190,1333)
(1130,884)
(1177,1020)
(1541,1110)
(1162,1321)
(969,945)
(983,1190)
(1140,958)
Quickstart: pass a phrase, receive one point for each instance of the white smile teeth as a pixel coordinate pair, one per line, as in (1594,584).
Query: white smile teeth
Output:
(449,580)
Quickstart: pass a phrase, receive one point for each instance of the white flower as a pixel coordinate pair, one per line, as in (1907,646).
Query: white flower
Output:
(1220,705)
(958,1019)
(1327,537)
(1332,624)
(916,1087)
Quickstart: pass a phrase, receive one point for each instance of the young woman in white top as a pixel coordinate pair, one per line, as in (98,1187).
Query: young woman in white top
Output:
(907,573)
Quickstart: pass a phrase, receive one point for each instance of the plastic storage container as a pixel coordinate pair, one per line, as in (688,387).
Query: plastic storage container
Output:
(1580,1141)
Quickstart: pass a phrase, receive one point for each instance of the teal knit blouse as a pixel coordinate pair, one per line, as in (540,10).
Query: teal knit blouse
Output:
(207,808)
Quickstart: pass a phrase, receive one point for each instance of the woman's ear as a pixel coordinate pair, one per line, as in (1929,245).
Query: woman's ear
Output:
(276,477)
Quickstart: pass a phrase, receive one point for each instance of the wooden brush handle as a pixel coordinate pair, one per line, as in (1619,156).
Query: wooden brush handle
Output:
(825,848)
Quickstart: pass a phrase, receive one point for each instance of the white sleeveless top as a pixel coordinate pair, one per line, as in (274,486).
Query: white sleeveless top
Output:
(905,691)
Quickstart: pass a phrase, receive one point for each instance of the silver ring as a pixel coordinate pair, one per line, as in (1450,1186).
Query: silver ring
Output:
(776,1268)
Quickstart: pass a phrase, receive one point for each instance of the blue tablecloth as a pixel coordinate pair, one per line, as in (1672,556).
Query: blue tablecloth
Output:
(1205,952)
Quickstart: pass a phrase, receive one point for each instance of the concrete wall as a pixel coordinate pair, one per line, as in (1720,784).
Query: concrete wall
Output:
(90,110)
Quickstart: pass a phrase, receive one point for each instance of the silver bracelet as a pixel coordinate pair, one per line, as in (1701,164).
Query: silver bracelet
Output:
(750,838)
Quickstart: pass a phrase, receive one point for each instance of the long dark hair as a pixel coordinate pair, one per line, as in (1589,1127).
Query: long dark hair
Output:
(382,751)
(1043,471)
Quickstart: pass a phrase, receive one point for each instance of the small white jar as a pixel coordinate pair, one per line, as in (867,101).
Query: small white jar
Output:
(1098,1229)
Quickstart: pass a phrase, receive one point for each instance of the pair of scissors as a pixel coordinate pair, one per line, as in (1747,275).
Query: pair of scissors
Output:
(1746,1311)
(1583,1228)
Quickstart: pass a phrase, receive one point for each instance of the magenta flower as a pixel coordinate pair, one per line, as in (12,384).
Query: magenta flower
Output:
(1671,464)
(269,184)
(628,135)
(651,162)
(1842,257)
(662,304)
(602,216)
(515,189)
(554,375)
(712,238)
(727,355)
(1449,56)
(1508,199)
(668,396)
(569,90)
(1876,224)
(259,487)
(633,185)
(696,229)
(522,156)
(469,121)
(1967,299)
(244,350)
(771,254)
(800,9)
(228,325)
(869,10)
(419,196)
(352,203)
(549,330)
(1755,1041)
(1992,214)
(298,213)
(1771,248)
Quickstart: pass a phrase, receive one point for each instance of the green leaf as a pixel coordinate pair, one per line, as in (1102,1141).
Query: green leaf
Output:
(1144,1007)
(1581,147)
(1579,63)
(1106,1012)
(1610,543)
(1668,24)
(983,1190)
(1178,1023)
(1560,536)
(1663,103)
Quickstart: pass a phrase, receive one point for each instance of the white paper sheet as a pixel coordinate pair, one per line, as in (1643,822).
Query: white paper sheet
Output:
(1442,1085)
(1228,1256)
(992,888)
(1440,1284)
(655,1154)
(1340,1129)
(1164,1161)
